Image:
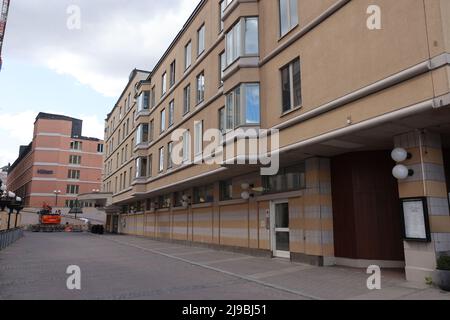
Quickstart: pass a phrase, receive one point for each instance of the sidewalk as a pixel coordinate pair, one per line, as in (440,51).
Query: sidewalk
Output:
(303,280)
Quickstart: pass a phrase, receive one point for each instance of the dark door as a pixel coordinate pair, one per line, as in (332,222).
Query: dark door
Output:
(115,228)
(366,207)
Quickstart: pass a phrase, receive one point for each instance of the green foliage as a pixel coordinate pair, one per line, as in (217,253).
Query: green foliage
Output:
(443,263)
(429,281)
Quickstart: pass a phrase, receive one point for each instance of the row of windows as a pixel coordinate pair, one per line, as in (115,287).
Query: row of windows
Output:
(78,146)
(288,179)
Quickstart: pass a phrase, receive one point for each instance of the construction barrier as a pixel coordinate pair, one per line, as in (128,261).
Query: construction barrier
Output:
(8,237)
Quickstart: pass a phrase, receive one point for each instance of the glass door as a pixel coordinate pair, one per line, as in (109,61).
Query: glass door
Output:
(280,229)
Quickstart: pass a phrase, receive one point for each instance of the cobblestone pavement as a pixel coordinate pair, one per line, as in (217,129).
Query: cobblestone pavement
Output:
(126,267)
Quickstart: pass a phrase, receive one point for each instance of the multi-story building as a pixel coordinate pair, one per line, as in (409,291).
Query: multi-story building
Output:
(58,164)
(343,83)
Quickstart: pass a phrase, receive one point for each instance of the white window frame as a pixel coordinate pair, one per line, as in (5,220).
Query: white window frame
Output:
(164,84)
(198,138)
(188,55)
(161,159)
(290,23)
(201,35)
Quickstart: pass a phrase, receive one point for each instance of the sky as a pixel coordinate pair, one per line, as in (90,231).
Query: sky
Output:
(73,57)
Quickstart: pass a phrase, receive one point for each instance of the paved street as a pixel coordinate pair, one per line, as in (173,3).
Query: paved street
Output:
(124,267)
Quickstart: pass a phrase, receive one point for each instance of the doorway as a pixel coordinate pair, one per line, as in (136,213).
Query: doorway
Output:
(115,225)
(280,229)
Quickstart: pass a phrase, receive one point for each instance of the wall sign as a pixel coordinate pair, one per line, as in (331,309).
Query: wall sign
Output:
(416,225)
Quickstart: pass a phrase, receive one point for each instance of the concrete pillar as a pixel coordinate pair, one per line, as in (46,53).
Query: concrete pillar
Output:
(428,181)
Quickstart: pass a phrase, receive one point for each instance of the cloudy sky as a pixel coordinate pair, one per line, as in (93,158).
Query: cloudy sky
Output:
(77,72)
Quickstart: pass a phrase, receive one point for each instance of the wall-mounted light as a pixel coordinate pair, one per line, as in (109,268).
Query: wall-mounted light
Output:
(402,172)
(400,155)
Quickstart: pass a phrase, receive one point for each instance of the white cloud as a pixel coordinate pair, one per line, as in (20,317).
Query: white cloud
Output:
(115,37)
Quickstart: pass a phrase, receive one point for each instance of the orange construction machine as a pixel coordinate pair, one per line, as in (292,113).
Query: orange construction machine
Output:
(48,221)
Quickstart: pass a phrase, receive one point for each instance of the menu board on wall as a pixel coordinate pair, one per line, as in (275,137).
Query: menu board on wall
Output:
(415,220)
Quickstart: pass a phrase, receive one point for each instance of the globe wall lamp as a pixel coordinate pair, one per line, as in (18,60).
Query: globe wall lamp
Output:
(9,200)
(400,171)
(185,201)
(246,188)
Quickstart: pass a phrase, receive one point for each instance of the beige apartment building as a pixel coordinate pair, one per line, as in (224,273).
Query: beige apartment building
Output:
(344,83)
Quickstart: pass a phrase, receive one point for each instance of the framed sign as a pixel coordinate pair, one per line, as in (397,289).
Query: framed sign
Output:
(416,225)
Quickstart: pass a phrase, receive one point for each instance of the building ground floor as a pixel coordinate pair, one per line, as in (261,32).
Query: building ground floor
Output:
(334,201)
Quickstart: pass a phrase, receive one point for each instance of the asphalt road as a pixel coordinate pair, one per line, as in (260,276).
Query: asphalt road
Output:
(35,268)
(134,268)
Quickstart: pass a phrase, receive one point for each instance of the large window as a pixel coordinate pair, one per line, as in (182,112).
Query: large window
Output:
(73,174)
(201,40)
(169,155)
(161,159)
(288,179)
(291,85)
(163,120)
(164,84)
(76,145)
(222,120)
(188,55)
(204,194)
(186,99)
(198,137)
(222,66)
(153,98)
(72,189)
(75,160)
(142,134)
(242,40)
(243,106)
(226,190)
(141,167)
(186,146)
(171,112)
(288,15)
(151,130)
(200,87)
(172,73)
(143,101)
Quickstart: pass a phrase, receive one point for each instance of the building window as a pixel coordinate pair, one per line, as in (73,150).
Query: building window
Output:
(243,106)
(222,120)
(187,55)
(144,101)
(100,148)
(75,160)
(222,7)
(141,167)
(198,136)
(242,40)
(201,40)
(150,165)
(287,179)
(226,190)
(200,88)
(171,112)
(291,86)
(76,145)
(204,194)
(142,134)
(153,98)
(186,146)
(164,201)
(161,159)
(169,155)
(288,16)
(72,189)
(222,66)
(162,124)
(164,84)
(151,131)
(172,73)
(129,101)
(186,99)
(74,174)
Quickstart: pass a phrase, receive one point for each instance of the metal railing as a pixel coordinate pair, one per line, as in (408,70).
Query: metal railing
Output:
(8,237)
